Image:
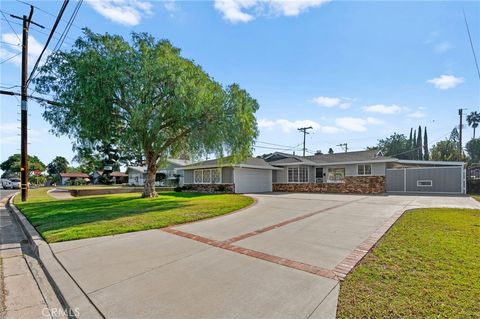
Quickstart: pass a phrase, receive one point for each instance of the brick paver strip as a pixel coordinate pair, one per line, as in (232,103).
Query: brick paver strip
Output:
(286,222)
(319,271)
(347,264)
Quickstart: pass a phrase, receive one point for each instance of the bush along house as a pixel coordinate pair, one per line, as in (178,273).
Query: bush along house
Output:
(363,172)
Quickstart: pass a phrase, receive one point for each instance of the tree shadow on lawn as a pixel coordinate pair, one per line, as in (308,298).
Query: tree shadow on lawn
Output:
(61,214)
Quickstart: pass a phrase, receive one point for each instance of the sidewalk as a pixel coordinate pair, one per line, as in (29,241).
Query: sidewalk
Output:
(25,289)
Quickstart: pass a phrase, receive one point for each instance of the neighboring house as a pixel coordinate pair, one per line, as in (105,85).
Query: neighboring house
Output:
(364,172)
(117,177)
(65,177)
(251,176)
(473,172)
(171,170)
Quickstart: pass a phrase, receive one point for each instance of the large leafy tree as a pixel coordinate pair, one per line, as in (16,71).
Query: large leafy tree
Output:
(396,145)
(146,96)
(11,167)
(473,150)
(473,119)
(446,150)
(58,165)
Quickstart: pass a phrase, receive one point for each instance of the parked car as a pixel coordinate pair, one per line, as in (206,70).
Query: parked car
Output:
(15,183)
(12,183)
(6,184)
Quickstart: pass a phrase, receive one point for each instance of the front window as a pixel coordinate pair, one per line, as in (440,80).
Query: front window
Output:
(336,175)
(207,176)
(364,169)
(298,174)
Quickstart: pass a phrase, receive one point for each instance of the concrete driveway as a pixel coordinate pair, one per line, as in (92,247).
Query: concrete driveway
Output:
(281,258)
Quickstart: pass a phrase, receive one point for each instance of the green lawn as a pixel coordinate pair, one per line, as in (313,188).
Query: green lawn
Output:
(426,266)
(92,216)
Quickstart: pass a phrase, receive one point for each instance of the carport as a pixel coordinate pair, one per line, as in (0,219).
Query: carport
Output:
(432,177)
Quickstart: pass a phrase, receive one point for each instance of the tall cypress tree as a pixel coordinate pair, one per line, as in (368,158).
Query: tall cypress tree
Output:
(410,144)
(426,155)
(414,152)
(419,143)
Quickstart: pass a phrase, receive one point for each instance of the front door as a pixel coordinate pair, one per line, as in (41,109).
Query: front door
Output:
(319,175)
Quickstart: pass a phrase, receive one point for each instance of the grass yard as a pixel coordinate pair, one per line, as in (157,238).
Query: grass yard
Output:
(426,266)
(92,216)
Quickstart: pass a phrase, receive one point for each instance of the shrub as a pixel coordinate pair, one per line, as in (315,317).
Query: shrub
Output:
(178,189)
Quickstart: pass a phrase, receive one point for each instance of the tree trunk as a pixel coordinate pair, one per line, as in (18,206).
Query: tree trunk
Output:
(149,187)
(474,132)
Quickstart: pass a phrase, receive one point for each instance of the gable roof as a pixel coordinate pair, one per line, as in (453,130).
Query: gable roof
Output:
(251,162)
(283,159)
(173,161)
(358,156)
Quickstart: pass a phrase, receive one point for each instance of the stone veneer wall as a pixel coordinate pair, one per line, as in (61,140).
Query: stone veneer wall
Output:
(352,184)
(210,188)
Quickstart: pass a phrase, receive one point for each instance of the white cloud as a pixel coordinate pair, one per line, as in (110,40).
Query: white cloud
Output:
(356,124)
(384,109)
(170,5)
(442,47)
(288,126)
(340,102)
(127,12)
(417,114)
(445,82)
(246,10)
(34,50)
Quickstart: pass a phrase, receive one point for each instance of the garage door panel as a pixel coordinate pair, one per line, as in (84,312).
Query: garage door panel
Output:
(248,180)
(444,179)
(425,180)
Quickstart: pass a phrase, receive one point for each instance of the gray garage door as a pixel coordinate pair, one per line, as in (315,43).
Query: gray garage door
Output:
(442,180)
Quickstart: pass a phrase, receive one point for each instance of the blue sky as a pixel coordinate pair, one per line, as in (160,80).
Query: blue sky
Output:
(355,71)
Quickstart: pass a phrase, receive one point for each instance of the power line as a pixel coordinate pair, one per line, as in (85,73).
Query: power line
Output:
(3,14)
(11,57)
(471,43)
(12,44)
(54,27)
(47,12)
(68,26)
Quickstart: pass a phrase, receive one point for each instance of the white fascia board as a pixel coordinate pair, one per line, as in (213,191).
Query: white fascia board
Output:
(258,167)
(390,160)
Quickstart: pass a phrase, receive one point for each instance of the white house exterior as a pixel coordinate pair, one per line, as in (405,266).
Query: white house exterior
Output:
(137,175)
(363,172)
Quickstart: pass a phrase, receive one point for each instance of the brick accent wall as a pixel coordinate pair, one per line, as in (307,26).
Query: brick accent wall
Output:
(352,184)
(211,188)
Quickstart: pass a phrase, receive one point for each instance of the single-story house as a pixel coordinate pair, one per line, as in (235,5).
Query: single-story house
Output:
(366,172)
(66,177)
(363,172)
(117,177)
(253,175)
(167,174)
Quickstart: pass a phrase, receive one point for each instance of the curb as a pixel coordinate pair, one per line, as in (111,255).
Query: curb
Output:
(73,299)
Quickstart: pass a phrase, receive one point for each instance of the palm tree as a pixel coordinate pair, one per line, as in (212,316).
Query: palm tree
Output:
(473,119)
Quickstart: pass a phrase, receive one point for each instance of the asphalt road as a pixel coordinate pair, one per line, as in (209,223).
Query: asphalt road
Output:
(5,193)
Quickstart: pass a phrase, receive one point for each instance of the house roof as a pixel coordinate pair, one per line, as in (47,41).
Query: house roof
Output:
(76,175)
(118,174)
(173,161)
(251,162)
(359,156)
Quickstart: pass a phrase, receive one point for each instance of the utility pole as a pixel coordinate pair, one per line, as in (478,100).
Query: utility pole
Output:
(344,146)
(460,113)
(24,108)
(304,131)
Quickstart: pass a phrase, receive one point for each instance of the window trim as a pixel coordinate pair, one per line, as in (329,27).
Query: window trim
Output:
(424,180)
(364,166)
(297,168)
(209,170)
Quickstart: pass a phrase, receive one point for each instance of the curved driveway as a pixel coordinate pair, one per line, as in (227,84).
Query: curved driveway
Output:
(281,258)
